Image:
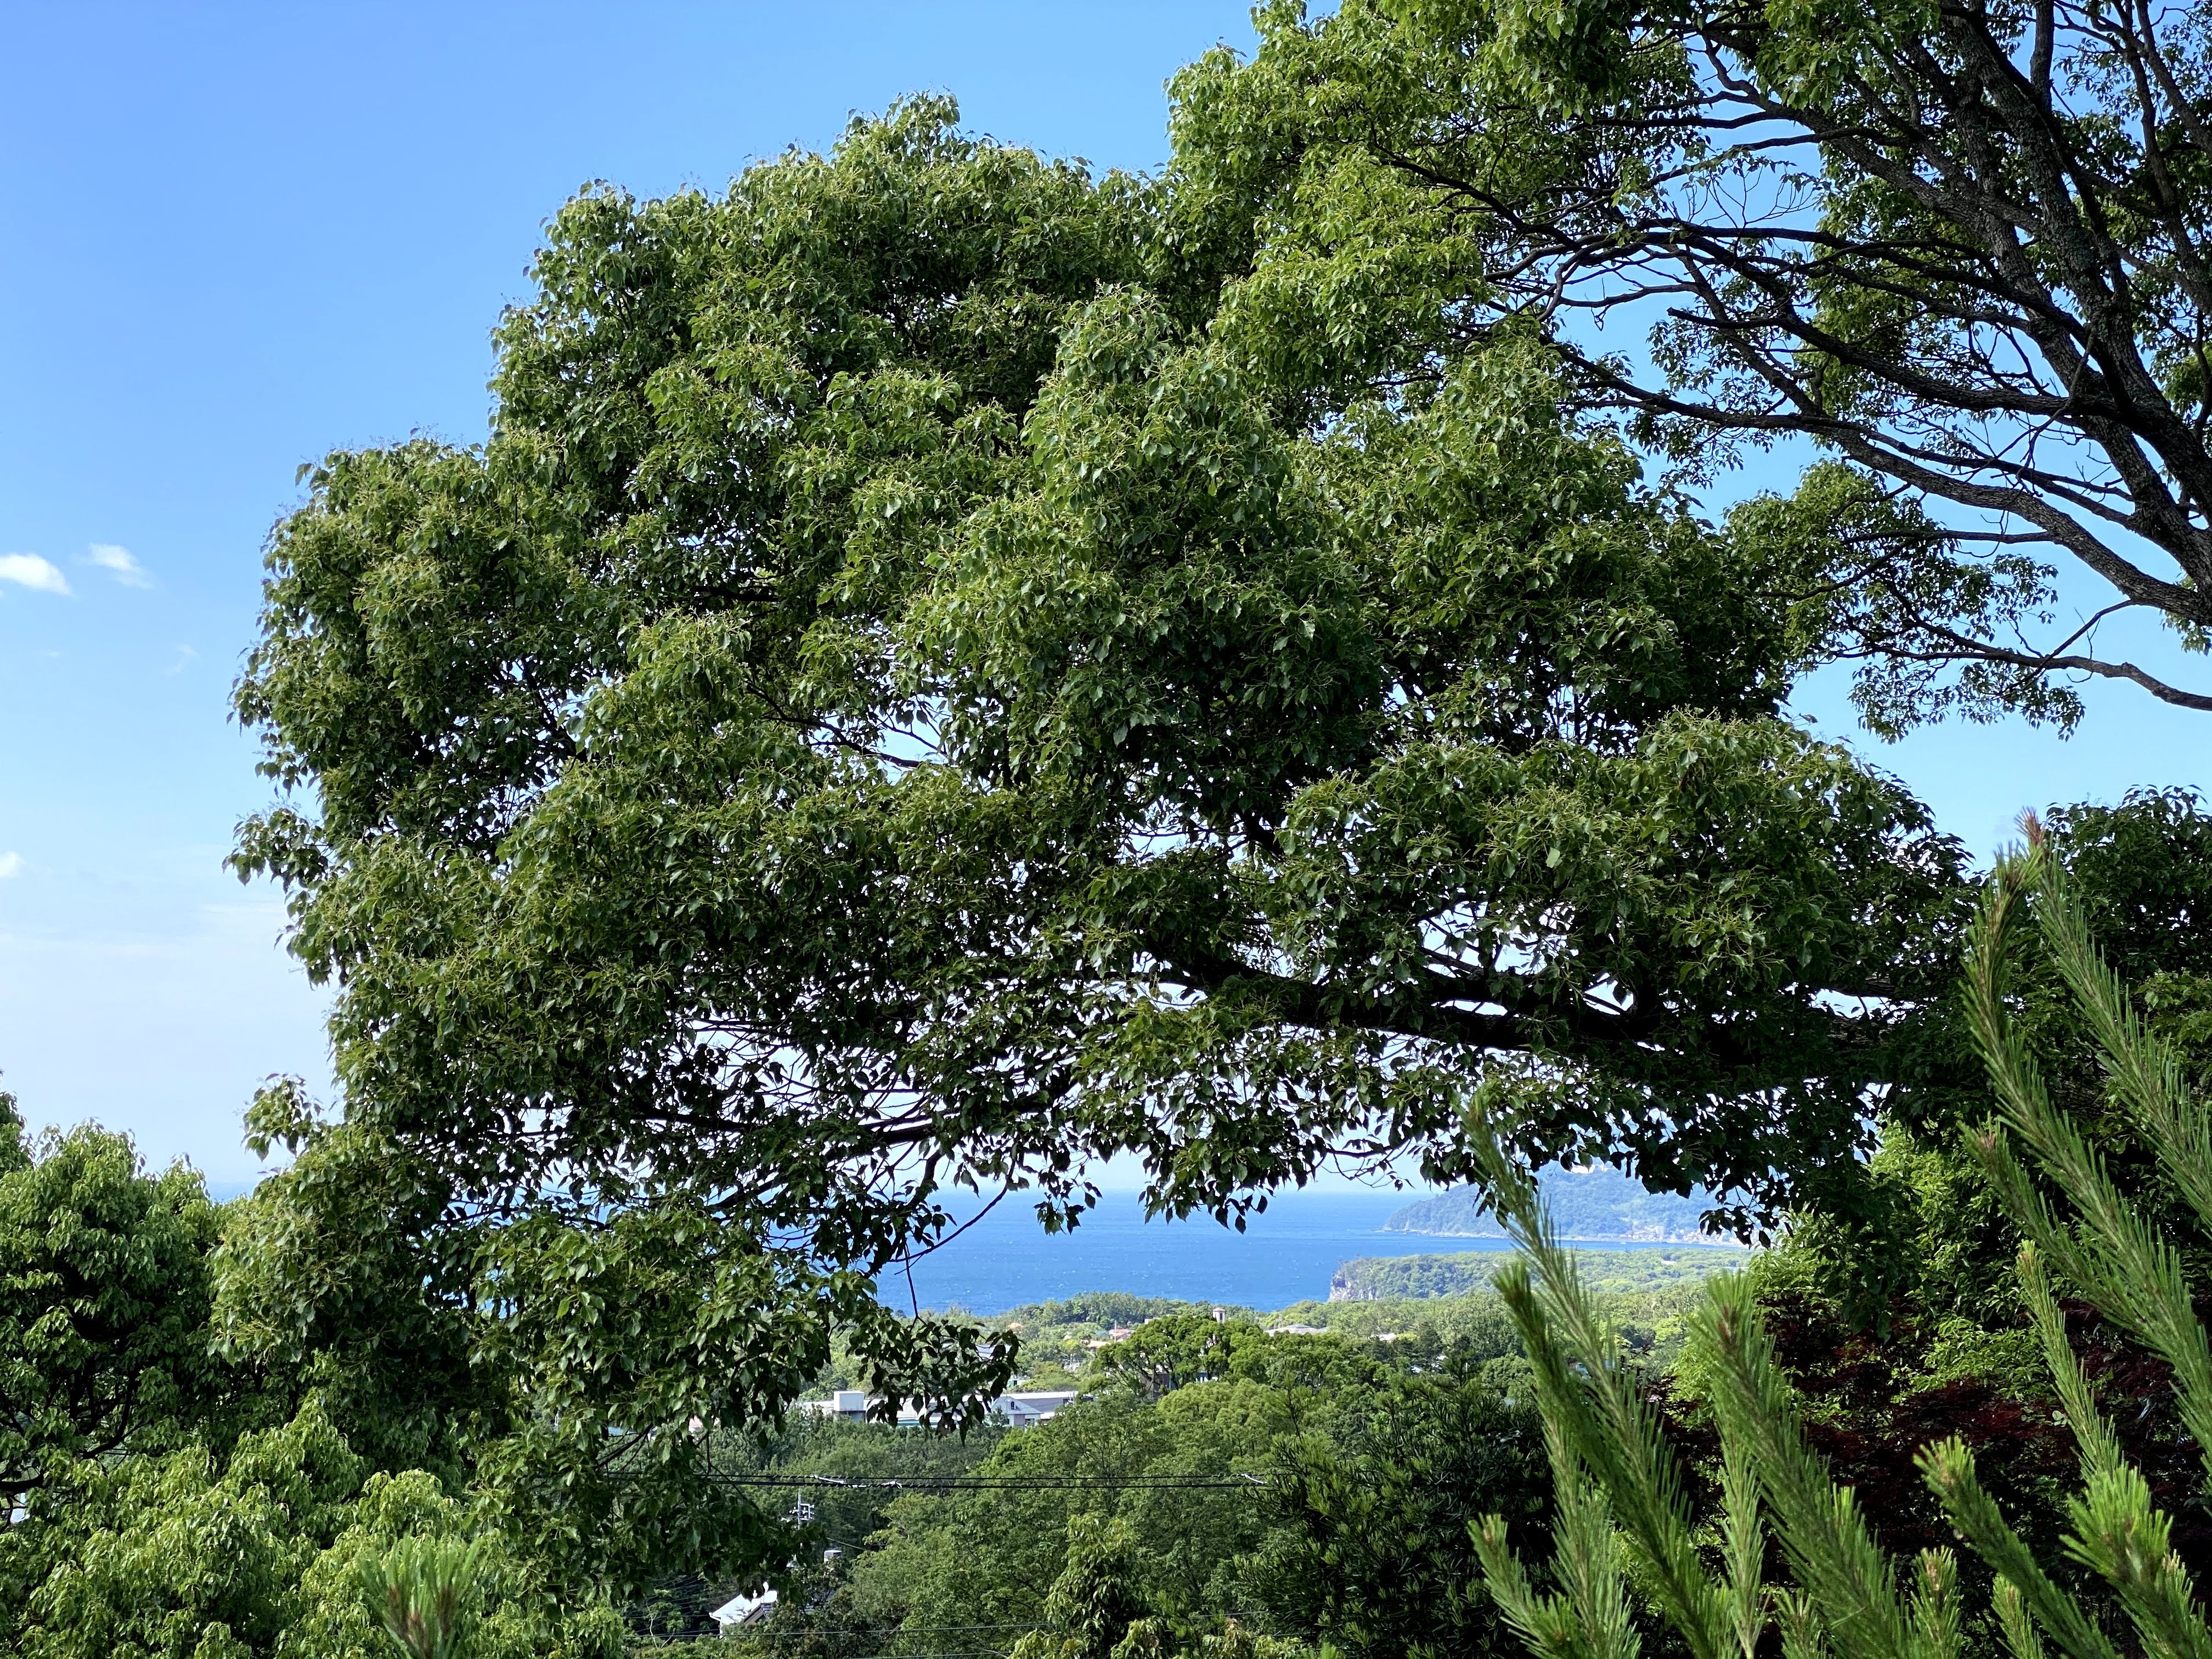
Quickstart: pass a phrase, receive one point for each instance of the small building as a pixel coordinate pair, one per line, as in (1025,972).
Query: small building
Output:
(1019,1411)
(1026,1411)
(744,1610)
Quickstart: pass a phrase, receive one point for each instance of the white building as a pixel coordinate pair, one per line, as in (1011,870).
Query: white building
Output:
(1025,1411)
(745,1610)
(1017,1411)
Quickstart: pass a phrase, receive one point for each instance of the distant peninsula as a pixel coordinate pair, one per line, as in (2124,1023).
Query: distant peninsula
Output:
(1414,1278)
(1596,1206)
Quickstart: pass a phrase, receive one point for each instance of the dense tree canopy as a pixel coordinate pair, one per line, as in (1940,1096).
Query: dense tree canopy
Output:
(906,692)
(1961,245)
(163,1498)
(105,1294)
(1310,1488)
(946,668)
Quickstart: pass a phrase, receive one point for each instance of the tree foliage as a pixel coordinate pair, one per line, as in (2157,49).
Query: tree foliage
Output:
(1379,1556)
(1312,1490)
(105,1294)
(1624,1505)
(929,684)
(422,1592)
(1961,245)
(1093,1605)
(948,669)
(169,1500)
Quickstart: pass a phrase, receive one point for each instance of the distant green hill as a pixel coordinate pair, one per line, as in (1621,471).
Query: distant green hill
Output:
(1599,1205)
(1612,1272)
(1446,1299)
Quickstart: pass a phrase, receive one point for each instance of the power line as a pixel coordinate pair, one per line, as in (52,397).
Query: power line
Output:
(998,1483)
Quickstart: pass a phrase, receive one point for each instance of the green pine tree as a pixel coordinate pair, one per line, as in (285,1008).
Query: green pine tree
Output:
(1624,1514)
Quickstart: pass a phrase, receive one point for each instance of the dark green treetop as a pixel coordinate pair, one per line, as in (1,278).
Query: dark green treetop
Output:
(105,1294)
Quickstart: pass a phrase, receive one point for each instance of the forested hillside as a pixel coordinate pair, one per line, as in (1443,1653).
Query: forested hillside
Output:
(1387,1277)
(1217,1481)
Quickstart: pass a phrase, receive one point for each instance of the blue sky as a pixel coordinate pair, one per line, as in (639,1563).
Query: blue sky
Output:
(238,236)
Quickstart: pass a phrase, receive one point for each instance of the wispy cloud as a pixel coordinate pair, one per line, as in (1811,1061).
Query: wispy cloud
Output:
(119,564)
(29,570)
(11,864)
(185,657)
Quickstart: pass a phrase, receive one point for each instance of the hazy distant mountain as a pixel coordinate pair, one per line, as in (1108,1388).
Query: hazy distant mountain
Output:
(1597,1204)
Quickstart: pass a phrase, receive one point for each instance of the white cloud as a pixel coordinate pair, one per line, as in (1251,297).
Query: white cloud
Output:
(29,570)
(11,864)
(119,560)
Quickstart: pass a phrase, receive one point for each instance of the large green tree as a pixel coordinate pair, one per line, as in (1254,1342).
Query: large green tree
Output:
(944,669)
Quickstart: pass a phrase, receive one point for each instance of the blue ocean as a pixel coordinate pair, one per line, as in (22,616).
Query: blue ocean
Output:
(1287,1254)
(1284,1255)
(1004,1258)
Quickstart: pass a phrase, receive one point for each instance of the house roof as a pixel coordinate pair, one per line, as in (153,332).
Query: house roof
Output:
(745,1609)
